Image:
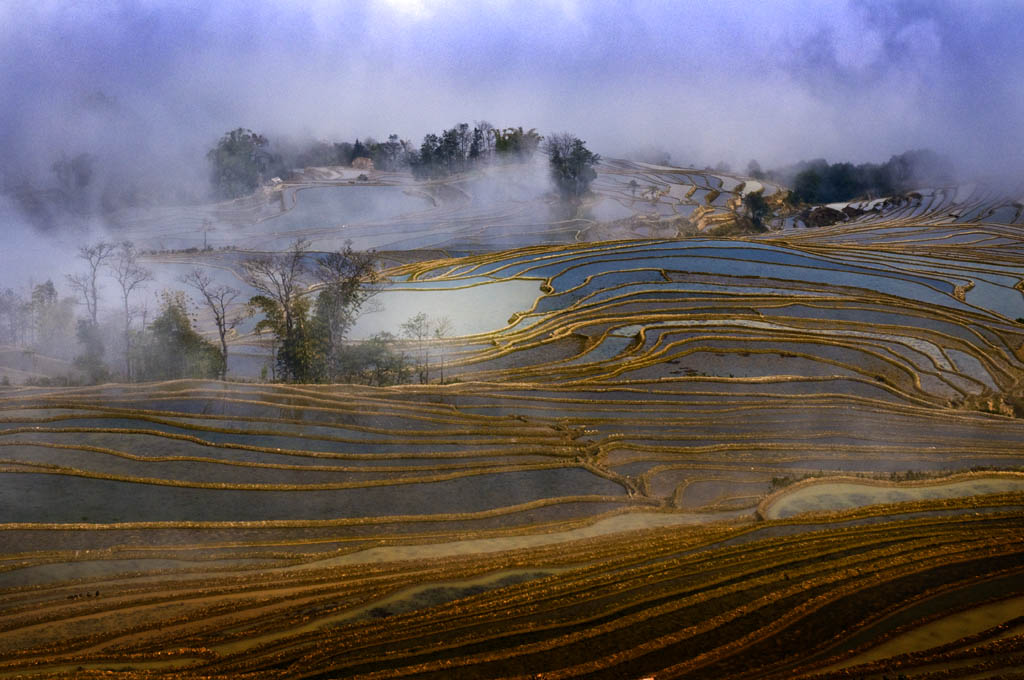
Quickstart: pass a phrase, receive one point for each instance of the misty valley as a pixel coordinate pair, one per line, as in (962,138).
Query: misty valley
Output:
(493,416)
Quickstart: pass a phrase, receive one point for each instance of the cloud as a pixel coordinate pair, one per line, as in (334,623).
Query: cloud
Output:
(729,80)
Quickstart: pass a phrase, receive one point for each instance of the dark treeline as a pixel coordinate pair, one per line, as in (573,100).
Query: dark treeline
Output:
(817,181)
(460,148)
(242,160)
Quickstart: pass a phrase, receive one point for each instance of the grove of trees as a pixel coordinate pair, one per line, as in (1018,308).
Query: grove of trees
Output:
(307,303)
(572,165)
(309,332)
(170,348)
(818,181)
(461,148)
(240,162)
(45,324)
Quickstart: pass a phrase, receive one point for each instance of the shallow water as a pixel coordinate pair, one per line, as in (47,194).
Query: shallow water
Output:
(28,497)
(477,309)
(827,496)
(336,205)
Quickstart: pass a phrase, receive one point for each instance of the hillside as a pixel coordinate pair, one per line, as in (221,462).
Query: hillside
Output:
(645,449)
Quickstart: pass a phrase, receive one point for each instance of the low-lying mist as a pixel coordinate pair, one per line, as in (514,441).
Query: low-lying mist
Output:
(107,106)
(146,88)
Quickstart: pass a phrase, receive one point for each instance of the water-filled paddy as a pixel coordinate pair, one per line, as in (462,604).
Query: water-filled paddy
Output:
(762,362)
(828,496)
(732,262)
(334,206)
(608,210)
(943,631)
(476,309)
(28,497)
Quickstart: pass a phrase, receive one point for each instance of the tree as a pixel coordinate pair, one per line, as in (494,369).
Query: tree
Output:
(514,141)
(218,299)
(421,328)
(572,165)
(806,186)
(426,162)
(374,362)
(18,313)
(280,280)
(390,155)
(342,153)
(53,320)
(90,361)
(130,276)
(754,170)
(443,327)
(85,284)
(464,140)
(347,279)
(756,208)
(447,152)
(240,162)
(418,328)
(44,294)
(359,150)
(172,348)
(488,132)
(476,147)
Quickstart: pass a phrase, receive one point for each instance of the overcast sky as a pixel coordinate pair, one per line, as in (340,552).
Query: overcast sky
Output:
(707,81)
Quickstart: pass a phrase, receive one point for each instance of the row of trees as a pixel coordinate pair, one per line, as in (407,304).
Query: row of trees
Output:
(169,347)
(818,181)
(38,320)
(460,148)
(307,304)
(242,160)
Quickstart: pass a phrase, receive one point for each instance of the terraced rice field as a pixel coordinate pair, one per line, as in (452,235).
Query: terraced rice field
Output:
(601,489)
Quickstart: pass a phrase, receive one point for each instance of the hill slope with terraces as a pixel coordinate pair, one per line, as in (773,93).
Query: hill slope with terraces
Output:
(656,451)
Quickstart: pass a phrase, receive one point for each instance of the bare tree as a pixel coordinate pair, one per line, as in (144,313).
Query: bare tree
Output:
(443,327)
(280,278)
(85,284)
(418,328)
(488,132)
(16,309)
(130,275)
(218,298)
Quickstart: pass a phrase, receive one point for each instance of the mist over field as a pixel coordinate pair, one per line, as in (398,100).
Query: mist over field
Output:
(147,87)
(511,338)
